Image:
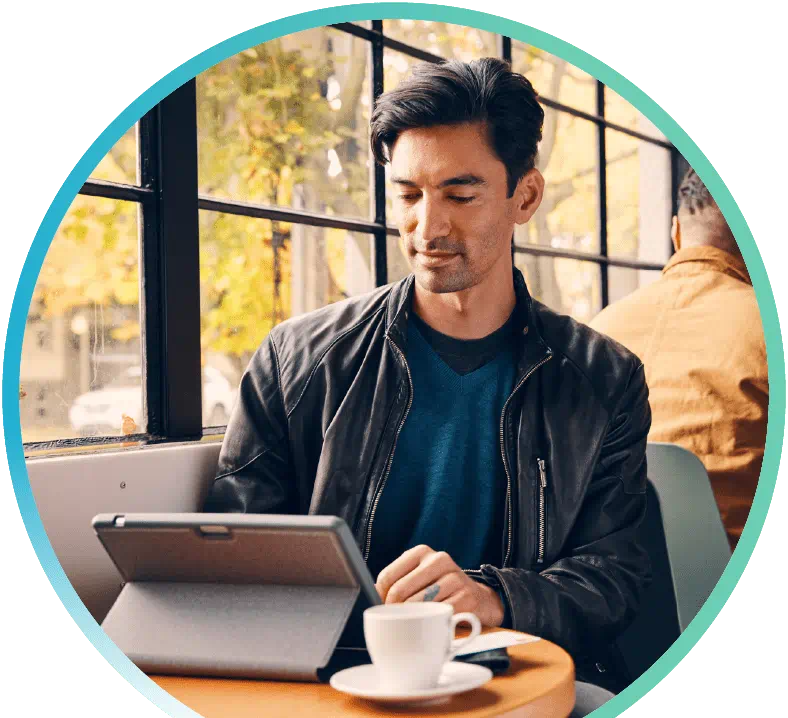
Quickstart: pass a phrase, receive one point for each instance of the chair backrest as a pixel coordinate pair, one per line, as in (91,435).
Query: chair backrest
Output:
(69,491)
(686,542)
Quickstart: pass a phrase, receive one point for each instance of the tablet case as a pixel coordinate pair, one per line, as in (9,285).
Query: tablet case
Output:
(223,595)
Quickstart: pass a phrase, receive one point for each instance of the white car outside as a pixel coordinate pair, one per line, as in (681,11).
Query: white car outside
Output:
(101,412)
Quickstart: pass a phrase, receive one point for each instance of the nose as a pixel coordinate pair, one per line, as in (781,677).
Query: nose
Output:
(430,220)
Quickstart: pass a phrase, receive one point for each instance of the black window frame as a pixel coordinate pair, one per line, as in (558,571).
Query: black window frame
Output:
(169,238)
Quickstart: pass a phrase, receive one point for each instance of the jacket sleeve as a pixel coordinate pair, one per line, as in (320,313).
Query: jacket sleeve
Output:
(592,592)
(254,473)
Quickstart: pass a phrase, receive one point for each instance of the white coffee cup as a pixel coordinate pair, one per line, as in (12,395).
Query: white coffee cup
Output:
(410,643)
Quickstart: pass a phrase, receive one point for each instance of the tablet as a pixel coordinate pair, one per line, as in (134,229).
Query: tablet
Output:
(235,595)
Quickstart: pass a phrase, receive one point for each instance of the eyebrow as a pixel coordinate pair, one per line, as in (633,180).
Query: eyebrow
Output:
(468,180)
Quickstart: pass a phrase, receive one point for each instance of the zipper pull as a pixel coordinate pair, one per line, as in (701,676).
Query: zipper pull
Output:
(542,473)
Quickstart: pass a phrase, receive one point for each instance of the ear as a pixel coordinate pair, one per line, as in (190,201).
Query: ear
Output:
(528,195)
(675,233)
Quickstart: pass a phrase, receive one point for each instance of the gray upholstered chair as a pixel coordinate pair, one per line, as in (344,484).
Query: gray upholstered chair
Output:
(688,548)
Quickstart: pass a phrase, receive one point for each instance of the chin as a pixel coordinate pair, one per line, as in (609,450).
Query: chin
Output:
(443,283)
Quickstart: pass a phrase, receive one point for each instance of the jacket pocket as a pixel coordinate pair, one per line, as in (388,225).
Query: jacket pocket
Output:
(541,511)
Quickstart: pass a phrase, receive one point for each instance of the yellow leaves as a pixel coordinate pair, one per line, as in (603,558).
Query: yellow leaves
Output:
(294,128)
(284,189)
(332,137)
(308,72)
(74,276)
(223,283)
(93,258)
(96,292)
(335,255)
(128,425)
(127,292)
(282,92)
(126,331)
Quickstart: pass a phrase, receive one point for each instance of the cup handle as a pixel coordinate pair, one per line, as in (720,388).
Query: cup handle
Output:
(476,629)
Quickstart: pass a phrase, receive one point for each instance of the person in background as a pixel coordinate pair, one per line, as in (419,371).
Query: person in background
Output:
(699,333)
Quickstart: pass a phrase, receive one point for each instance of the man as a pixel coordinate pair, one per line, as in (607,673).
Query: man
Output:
(699,333)
(484,450)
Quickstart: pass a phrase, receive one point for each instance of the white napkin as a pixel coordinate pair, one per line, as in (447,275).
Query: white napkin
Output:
(499,639)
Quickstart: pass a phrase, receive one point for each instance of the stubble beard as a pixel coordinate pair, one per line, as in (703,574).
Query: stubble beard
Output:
(444,280)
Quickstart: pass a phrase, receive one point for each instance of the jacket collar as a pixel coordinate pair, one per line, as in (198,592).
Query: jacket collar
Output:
(533,348)
(711,259)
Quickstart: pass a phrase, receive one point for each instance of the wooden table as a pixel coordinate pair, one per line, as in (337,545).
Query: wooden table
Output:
(540,682)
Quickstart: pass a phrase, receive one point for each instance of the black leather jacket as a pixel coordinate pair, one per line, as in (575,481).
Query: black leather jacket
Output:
(326,394)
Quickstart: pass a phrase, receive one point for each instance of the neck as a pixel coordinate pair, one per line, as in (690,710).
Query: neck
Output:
(472,313)
(704,241)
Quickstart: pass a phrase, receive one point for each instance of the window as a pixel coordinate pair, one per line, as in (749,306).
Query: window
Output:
(568,215)
(639,201)
(455,42)
(249,196)
(555,79)
(286,123)
(254,274)
(81,357)
(120,164)
(566,285)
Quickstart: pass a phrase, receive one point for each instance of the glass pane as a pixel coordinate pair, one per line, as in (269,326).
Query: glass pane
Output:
(638,198)
(567,286)
(120,164)
(256,273)
(620,112)
(568,215)
(287,123)
(622,281)
(555,78)
(396,259)
(444,39)
(81,358)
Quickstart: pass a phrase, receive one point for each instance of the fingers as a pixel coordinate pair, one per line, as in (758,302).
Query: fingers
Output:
(440,590)
(429,571)
(413,572)
(399,568)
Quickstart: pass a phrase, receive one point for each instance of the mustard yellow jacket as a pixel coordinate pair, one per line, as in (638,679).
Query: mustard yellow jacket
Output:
(698,331)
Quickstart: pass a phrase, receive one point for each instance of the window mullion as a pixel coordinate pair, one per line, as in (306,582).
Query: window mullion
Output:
(378,171)
(602,184)
(505,48)
(171,268)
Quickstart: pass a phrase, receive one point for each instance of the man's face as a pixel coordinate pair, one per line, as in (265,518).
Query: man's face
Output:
(451,206)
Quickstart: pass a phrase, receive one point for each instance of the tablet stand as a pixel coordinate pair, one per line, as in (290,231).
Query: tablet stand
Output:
(239,631)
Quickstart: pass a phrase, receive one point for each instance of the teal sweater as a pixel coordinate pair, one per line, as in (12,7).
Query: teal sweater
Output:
(447,484)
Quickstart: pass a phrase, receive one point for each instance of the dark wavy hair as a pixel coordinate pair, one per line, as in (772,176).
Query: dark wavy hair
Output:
(452,93)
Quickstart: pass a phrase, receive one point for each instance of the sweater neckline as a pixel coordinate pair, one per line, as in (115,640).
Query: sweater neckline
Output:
(463,383)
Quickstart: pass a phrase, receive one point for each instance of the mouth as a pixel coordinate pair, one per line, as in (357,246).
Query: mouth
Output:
(435,259)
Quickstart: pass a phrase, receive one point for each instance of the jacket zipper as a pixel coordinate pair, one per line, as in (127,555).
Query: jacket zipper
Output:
(542,487)
(506,465)
(391,454)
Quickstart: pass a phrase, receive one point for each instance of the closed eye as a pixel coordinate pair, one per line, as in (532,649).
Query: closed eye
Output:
(462,200)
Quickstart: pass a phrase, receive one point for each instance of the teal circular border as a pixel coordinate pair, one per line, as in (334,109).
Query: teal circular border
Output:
(355,13)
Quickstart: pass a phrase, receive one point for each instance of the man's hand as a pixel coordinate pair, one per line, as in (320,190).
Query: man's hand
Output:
(422,574)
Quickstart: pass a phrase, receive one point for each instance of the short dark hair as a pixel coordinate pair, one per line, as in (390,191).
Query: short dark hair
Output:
(693,195)
(453,93)
(695,198)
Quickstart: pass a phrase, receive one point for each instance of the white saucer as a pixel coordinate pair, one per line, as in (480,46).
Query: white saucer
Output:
(456,677)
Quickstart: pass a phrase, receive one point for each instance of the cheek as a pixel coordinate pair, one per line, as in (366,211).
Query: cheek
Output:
(487,232)
(405,218)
